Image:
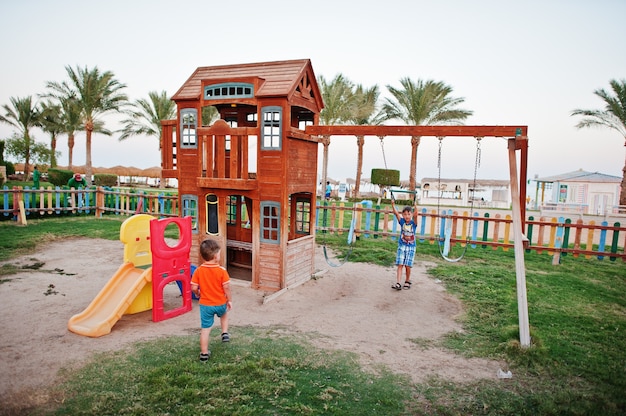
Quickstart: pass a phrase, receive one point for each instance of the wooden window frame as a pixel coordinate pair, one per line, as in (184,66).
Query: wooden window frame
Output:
(190,208)
(188,140)
(269,232)
(272,129)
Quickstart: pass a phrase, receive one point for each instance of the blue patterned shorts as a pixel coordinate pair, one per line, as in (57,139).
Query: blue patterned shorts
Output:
(405,255)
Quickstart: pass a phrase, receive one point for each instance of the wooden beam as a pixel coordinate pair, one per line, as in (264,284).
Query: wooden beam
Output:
(421,131)
(520,268)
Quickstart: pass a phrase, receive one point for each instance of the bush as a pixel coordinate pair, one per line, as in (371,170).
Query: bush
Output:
(105,179)
(59,177)
(387,177)
(10,167)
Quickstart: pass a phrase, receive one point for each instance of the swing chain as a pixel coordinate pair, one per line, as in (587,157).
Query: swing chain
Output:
(476,166)
(478,154)
(439,192)
(439,167)
(382,147)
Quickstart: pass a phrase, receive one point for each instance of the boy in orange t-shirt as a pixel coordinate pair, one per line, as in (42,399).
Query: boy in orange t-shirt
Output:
(211,284)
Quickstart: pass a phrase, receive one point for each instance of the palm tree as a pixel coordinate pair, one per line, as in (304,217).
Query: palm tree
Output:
(336,95)
(145,116)
(23,115)
(97,93)
(422,103)
(362,108)
(613,117)
(209,115)
(72,122)
(52,123)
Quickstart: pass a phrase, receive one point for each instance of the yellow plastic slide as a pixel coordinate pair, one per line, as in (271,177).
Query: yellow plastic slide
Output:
(112,301)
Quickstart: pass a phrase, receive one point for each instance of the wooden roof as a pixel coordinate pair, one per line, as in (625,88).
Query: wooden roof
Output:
(280,78)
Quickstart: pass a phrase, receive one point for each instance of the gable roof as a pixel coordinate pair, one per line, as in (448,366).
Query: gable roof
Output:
(581,176)
(281,78)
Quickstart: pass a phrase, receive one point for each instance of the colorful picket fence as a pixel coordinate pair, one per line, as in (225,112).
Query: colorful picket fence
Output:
(96,201)
(554,236)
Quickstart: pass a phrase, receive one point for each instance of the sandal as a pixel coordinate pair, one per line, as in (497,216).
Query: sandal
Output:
(396,286)
(225,337)
(407,284)
(205,357)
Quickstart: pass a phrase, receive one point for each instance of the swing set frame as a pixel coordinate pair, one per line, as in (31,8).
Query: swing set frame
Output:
(517,141)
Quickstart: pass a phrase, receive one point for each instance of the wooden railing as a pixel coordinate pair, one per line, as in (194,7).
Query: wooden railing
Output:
(96,201)
(555,236)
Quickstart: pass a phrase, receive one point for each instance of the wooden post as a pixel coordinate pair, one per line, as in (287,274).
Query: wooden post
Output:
(520,269)
(21,219)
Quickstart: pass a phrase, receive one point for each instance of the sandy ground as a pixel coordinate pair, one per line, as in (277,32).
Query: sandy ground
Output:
(351,307)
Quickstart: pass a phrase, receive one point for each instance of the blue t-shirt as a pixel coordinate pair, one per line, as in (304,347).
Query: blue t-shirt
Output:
(407,232)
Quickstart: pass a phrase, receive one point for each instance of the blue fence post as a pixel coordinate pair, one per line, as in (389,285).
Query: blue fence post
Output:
(160,200)
(602,244)
(57,200)
(6,201)
(475,229)
(26,200)
(117,203)
(87,200)
(368,216)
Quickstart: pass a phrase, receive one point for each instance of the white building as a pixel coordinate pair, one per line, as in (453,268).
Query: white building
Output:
(591,193)
(486,193)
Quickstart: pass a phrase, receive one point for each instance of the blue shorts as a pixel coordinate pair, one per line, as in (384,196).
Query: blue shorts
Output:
(405,255)
(207,314)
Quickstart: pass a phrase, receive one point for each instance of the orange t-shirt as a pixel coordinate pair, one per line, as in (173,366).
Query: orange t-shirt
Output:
(211,279)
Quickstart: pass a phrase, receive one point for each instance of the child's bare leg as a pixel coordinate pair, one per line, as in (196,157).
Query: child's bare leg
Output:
(399,273)
(204,340)
(224,322)
(408,273)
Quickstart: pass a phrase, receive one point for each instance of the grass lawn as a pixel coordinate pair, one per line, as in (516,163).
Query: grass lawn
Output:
(576,364)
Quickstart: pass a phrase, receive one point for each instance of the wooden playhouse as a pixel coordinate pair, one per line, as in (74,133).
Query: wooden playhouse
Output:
(249,179)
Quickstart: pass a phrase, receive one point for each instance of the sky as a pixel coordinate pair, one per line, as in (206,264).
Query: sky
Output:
(526,62)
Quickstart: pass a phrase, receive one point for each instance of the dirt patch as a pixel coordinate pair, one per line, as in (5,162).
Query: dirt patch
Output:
(351,307)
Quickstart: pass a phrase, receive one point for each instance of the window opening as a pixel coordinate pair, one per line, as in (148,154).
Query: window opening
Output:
(212,223)
(174,147)
(272,128)
(270,222)
(188,125)
(231,210)
(229,90)
(303,216)
(190,208)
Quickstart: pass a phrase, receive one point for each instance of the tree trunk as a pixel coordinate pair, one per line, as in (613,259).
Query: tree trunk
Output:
(26,155)
(70,150)
(415,142)
(88,168)
(53,151)
(360,140)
